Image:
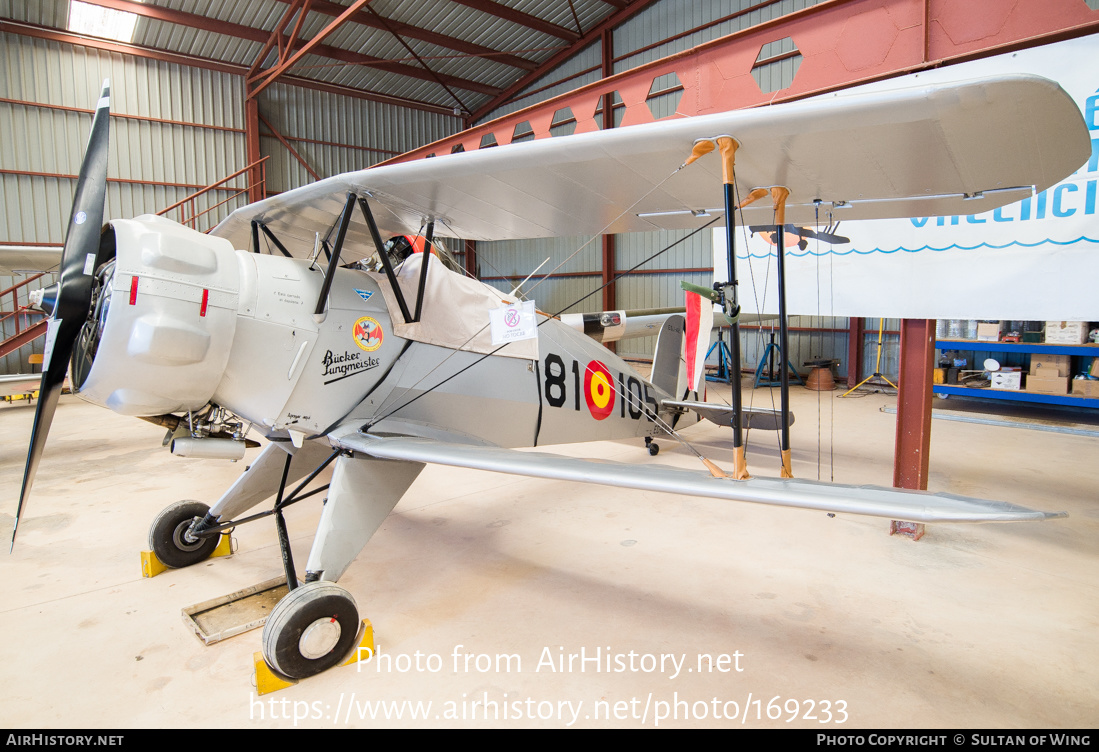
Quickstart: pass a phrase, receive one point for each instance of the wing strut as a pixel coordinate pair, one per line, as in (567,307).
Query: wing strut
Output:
(256,227)
(424,263)
(778,196)
(345,220)
(384,257)
(727,146)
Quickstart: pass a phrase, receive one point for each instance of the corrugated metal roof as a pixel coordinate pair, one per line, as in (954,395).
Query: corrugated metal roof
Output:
(473,49)
(435,33)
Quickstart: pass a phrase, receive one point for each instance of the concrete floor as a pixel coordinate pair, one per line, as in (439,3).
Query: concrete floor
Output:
(990,626)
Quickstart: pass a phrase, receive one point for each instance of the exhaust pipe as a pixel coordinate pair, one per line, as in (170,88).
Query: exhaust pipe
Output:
(209,449)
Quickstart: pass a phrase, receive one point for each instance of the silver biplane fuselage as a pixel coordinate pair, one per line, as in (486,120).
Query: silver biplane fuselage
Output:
(203,323)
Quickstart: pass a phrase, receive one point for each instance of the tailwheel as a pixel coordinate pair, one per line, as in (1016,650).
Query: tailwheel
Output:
(652,446)
(168,535)
(310,630)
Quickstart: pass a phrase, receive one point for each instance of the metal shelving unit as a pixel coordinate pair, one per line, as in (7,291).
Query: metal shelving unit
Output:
(1026,348)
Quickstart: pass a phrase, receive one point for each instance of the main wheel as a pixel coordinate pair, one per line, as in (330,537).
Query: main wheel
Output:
(166,536)
(310,630)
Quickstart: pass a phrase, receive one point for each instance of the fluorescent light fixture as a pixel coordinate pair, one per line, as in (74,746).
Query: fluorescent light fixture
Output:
(105,23)
(700,213)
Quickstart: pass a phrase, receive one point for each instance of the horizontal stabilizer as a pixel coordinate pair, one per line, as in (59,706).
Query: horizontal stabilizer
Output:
(891,503)
(754,417)
(611,326)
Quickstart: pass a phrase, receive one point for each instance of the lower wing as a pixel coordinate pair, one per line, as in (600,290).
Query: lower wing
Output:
(890,503)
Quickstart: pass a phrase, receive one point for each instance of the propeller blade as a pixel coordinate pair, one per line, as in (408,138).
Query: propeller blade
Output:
(832,238)
(79,260)
(826,236)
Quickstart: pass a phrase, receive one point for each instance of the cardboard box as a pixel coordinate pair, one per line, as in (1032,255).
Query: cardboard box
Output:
(1086,388)
(1066,332)
(1045,365)
(1011,380)
(1048,384)
(988,331)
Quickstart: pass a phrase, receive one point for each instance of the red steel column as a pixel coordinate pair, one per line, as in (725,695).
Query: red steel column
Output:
(256,191)
(854,350)
(610,297)
(471,258)
(911,458)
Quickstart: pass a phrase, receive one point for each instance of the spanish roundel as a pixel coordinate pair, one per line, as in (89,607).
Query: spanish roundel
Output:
(598,390)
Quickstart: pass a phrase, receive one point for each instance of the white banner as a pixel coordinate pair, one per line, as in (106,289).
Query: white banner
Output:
(1036,259)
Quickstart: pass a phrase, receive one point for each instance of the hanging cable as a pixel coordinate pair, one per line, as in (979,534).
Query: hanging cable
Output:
(820,348)
(832,402)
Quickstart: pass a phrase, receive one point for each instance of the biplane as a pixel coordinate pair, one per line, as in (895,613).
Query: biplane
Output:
(342,352)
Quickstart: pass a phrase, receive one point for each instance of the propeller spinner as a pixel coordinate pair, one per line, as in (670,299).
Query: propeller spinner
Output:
(72,300)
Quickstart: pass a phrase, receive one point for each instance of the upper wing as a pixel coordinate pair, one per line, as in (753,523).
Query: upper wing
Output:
(891,503)
(937,149)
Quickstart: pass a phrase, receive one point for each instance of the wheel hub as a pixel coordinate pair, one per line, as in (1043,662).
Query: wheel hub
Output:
(319,638)
(183,540)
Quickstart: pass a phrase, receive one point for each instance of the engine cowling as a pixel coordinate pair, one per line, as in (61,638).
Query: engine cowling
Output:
(162,322)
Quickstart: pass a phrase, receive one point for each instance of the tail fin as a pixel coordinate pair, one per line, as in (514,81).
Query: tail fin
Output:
(669,371)
(700,320)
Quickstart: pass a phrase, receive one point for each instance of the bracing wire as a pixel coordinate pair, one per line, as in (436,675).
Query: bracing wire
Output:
(543,278)
(606,227)
(501,347)
(761,305)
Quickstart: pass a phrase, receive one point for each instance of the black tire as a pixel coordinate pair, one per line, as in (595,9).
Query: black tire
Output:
(654,449)
(310,630)
(166,535)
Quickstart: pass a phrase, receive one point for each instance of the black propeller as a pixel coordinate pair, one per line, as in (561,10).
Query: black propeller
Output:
(827,235)
(72,300)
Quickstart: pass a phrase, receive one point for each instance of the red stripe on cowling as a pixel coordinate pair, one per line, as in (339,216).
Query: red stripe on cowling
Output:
(133,290)
(205,300)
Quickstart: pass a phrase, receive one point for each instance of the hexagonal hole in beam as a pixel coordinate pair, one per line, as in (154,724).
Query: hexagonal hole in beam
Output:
(618,107)
(563,123)
(776,65)
(523,132)
(487,140)
(457,148)
(1093,4)
(664,95)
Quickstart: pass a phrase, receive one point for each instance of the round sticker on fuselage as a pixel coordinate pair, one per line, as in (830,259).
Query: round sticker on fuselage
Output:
(598,390)
(368,334)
